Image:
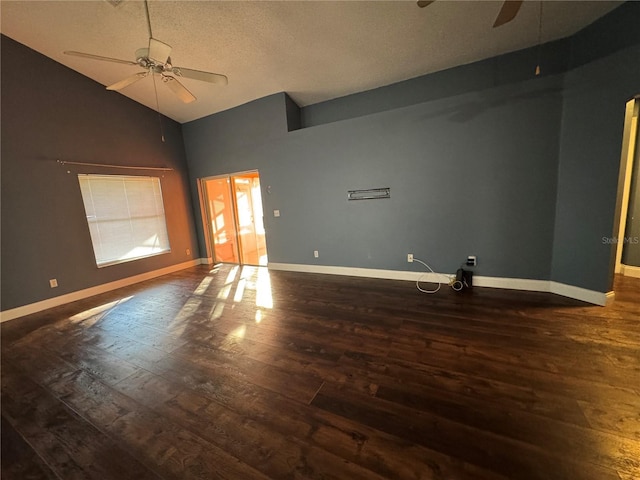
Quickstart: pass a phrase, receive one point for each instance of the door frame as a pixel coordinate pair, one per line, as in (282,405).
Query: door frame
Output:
(630,142)
(205,214)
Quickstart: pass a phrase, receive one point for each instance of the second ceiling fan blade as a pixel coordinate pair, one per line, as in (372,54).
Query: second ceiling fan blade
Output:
(127,81)
(200,75)
(508,12)
(180,90)
(425,3)
(98,57)
(159,51)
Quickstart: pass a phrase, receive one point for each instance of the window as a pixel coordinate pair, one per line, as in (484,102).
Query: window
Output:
(125,216)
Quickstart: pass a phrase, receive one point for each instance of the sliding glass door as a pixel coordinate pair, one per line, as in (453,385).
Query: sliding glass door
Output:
(234,217)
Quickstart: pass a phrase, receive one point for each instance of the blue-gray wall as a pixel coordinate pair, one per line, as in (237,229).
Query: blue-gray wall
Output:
(246,128)
(484,159)
(604,73)
(50,112)
(595,96)
(467,176)
(502,70)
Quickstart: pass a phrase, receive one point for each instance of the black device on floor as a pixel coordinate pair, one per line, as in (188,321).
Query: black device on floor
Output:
(464,279)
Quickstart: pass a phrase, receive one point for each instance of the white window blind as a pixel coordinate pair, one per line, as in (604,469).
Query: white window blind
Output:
(125,216)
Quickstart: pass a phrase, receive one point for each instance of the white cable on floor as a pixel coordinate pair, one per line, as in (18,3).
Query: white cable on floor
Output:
(430,270)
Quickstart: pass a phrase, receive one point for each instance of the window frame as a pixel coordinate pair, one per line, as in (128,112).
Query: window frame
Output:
(157,202)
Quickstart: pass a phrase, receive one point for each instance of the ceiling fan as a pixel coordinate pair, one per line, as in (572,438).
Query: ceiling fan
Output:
(155,59)
(507,13)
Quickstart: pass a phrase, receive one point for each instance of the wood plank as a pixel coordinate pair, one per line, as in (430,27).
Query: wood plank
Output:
(367,374)
(327,431)
(610,451)
(340,378)
(274,454)
(299,386)
(157,442)
(538,380)
(21,461)
(621,420)
(457,440)
(71,447)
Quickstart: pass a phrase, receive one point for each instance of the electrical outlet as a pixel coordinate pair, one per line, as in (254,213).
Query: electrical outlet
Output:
(188,252)
(316,254)
(53,283)
(472,261)
(276,213)
(409,257)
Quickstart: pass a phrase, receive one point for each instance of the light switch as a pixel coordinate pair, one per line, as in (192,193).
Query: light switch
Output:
(276,213)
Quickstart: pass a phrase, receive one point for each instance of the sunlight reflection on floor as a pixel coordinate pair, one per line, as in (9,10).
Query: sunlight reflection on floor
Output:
(263,289)
(239,285)
(96,311)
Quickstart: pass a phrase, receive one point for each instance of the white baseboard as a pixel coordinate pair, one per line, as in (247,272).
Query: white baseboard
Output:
(361,272)
(630,271)
(609,297)
(89,292)
(578,293)
(204,261)
(526,284)
(589,296)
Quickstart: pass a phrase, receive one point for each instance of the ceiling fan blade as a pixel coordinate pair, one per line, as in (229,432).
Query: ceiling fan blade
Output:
(200,75)
(425,3)
(159,51)
(508,12)
(183,94)
(98,57)
(127,81)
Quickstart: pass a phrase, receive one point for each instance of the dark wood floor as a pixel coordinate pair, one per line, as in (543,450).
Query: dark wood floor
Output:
(255,375)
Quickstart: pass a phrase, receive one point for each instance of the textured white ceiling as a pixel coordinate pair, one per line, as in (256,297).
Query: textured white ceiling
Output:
(314,50)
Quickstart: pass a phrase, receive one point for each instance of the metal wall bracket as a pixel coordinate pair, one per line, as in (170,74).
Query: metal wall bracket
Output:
(369,194)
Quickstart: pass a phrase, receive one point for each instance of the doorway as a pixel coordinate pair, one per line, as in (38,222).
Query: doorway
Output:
(627,240)
(232,211)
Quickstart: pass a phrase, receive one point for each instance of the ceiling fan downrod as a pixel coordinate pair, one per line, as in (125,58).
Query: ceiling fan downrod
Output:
(538,70)
(146,8)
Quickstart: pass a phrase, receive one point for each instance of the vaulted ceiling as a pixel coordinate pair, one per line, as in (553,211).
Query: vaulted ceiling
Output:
(314,50)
